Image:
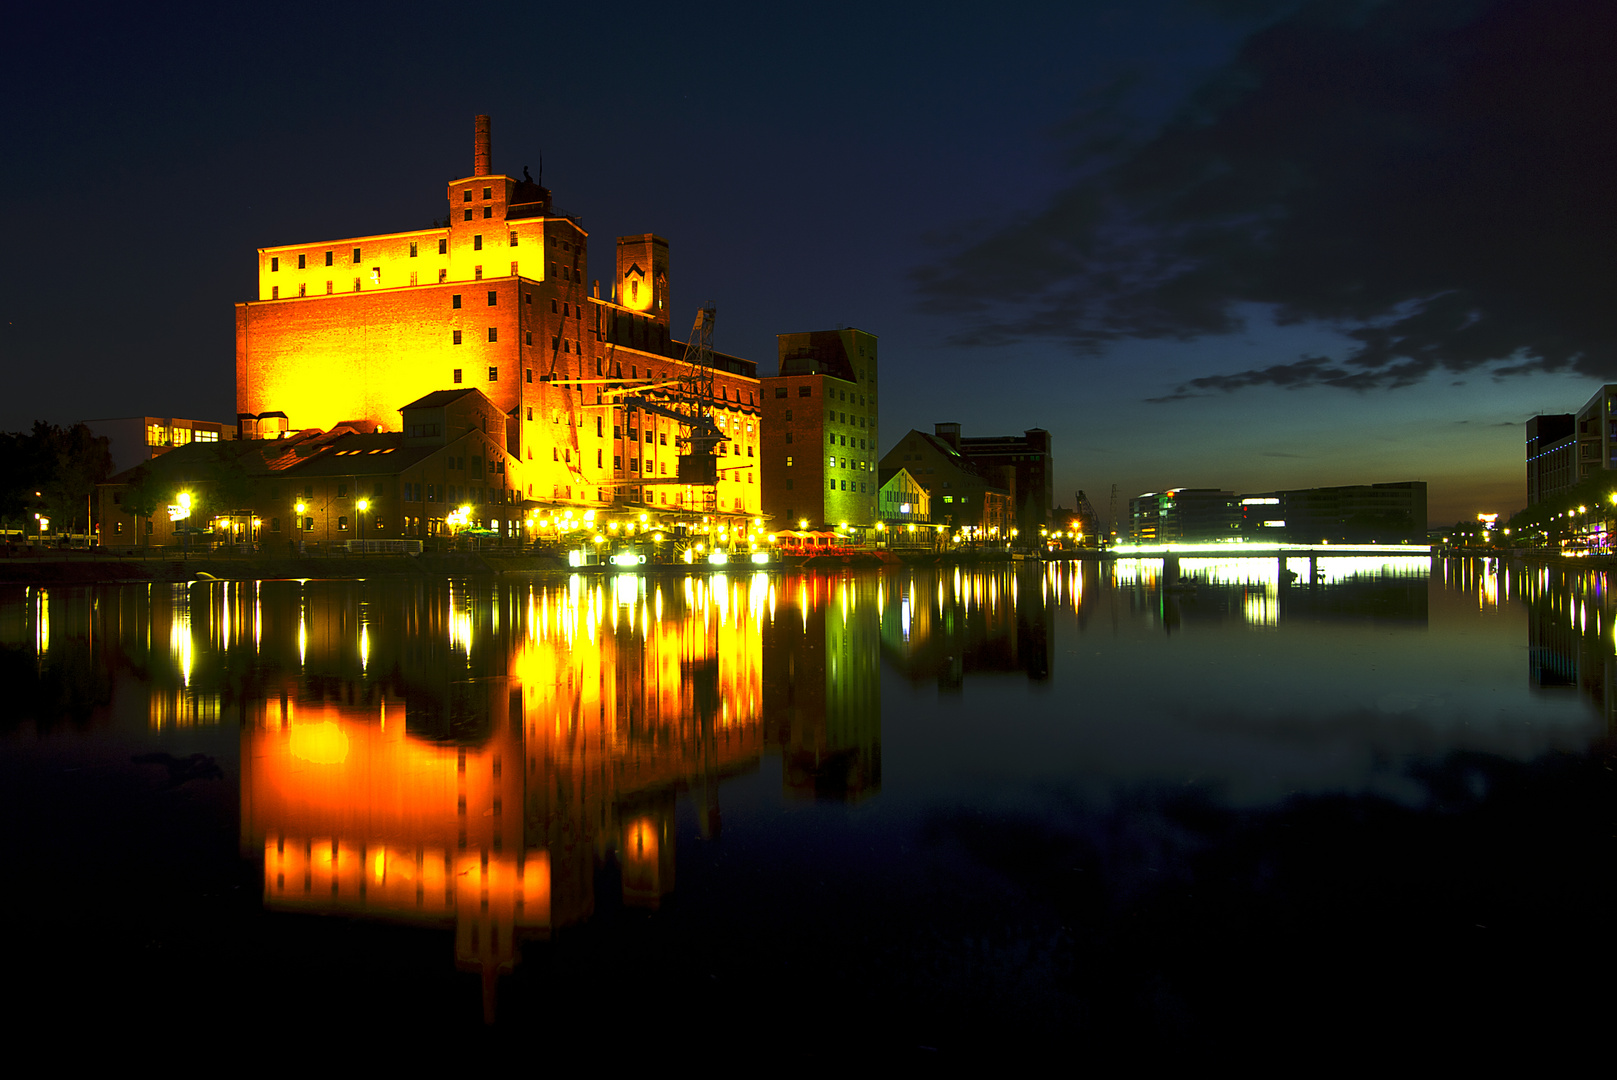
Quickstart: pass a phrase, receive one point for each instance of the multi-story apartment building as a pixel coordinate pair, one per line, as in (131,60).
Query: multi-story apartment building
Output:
(1023,466)
(820,430)
(499,297)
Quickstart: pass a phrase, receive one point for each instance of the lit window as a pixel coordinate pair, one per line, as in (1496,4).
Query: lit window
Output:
(477,273)
(457,370)
(493,374)
(513,268)
(457,337)
(788,461)
(443,276)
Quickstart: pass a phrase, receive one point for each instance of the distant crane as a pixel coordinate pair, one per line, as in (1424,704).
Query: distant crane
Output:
(1111,523)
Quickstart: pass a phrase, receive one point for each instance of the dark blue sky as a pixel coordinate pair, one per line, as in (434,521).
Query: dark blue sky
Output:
(1315,234)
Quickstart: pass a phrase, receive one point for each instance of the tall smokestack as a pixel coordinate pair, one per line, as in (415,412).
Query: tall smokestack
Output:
(480,137)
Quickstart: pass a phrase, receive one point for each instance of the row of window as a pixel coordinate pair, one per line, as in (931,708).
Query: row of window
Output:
(845,440)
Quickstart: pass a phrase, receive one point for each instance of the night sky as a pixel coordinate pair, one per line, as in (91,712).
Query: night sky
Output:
(1238,244)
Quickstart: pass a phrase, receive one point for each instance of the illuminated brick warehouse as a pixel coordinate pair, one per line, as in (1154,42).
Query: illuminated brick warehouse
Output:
(604,407)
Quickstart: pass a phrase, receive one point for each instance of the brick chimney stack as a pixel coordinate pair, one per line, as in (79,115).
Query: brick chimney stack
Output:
(480,147)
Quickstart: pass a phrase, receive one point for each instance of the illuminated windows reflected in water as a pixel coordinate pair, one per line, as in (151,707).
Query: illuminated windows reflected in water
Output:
(951,792)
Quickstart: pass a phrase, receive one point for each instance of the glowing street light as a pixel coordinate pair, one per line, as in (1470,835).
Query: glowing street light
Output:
(360,507)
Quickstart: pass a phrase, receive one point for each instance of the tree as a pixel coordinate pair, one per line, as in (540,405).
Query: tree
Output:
(142,495)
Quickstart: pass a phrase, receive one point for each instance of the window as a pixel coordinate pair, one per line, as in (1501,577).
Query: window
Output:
(529,372)
(477,243)
(530,412)
(303,262)
(513,239)
(342,524)
(457,370)
(488,211)
(466,215)
(833,485)
(443,276)
(805,391)
(413,251)
(780,391)
(493,333)
(342,491)
(528,340)
(788,436)
(477,273)
(414,276)
(488,193)
(443,247)
(493,299)
(831,461)
(356,284)
(275,264)
(466,196)
(663,438)
(275,292)
(328,258)
(788,461)
(457,342)
(376,275)
(356,255)
(493,374)
(514,268)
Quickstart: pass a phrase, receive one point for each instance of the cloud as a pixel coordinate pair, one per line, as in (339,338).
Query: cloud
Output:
(1431,179)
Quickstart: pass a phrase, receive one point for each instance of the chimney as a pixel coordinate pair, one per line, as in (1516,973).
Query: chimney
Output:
(949,433)
(480,149)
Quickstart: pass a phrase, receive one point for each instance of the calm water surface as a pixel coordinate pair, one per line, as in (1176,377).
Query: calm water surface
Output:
(932,810)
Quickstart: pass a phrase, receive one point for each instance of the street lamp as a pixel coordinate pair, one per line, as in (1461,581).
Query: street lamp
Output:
(361,506)
(297,526)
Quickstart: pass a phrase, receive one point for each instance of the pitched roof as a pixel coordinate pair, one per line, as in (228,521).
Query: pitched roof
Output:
(439,398)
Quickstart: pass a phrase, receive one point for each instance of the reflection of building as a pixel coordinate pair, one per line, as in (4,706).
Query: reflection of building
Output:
(497,297)
(820,433)
(945,625)
(479,757)
(1566,649)
(822,685)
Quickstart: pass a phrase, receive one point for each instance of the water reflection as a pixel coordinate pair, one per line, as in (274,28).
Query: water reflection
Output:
(503,760)
(945,625)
